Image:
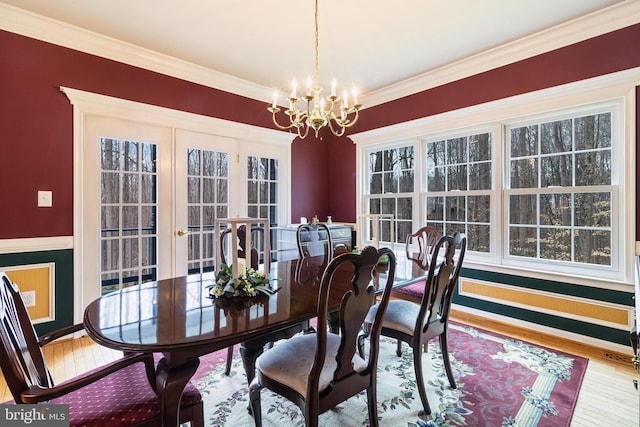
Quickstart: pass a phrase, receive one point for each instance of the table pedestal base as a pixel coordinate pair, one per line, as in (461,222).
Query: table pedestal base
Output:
(170,383)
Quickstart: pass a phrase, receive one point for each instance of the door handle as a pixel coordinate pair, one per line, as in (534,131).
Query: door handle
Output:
(182,232)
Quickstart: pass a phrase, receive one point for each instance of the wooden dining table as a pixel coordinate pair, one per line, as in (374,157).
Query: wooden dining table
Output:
(176,318)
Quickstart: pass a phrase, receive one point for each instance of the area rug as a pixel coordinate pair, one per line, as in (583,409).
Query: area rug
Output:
(501,382)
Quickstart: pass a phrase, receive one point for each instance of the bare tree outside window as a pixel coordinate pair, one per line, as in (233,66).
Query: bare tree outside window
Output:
(561,173)
(459,176)
(391,181)
(207,199)
(128,216)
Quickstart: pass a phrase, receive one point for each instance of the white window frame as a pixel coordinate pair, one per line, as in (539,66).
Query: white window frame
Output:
(363,165)
(612,88)
(492,192)
(364,222)
(618,170)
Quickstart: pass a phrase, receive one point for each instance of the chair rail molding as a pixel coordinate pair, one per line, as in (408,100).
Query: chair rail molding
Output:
(36,244)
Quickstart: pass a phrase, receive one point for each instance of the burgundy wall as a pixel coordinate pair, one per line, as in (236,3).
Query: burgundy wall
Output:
(36,120)
(616,51)
(309,166)
(324,178)
(342,179)
(36,149)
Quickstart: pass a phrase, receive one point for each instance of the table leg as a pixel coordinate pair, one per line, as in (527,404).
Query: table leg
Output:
(170,383)
(249,355)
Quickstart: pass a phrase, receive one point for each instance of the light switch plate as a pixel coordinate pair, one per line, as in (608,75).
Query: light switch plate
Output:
(29,298)
(45,199)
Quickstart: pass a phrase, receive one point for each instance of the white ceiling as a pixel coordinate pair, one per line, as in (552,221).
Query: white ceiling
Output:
(370,44)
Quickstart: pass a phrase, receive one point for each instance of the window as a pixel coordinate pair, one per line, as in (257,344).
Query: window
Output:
(391,191)
(541,183)
(560,189)
(458,187)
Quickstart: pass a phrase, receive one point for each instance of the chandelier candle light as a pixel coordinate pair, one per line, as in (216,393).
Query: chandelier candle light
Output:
(319,112)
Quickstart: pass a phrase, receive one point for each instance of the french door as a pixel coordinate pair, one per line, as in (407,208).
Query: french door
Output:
(207,171)
(149,195)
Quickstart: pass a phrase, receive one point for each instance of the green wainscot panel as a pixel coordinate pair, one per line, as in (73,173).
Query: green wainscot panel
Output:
(63,260)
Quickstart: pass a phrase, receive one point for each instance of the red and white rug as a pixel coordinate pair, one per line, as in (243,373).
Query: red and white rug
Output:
(501,382)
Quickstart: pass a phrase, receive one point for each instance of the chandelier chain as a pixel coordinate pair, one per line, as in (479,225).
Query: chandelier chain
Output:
(317,76)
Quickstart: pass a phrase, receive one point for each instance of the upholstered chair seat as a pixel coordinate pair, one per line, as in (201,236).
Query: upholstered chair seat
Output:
(100,403)
(290,362)
(400,316)
(412,292)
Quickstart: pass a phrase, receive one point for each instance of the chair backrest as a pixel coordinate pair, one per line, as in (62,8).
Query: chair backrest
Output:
(21,358)
(314,240)
(444,270)
(358,270)
(309,271)
(257,239)
(426,237)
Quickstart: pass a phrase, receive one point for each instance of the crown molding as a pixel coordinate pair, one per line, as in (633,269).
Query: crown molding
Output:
(583,92)
(597,23)
(49,30)
(93,103)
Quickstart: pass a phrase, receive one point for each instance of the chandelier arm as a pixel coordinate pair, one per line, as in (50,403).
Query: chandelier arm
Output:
(338,121)
(339,132)
(306,131)
(274,111)
(355,118)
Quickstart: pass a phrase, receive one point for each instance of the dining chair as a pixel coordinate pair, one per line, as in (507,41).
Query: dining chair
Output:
(425,238)
(121,393)
(314,240)
(317,371)
(417,324)
(257,236)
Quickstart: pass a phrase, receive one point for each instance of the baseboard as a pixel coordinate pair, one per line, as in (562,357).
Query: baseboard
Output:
(541,338)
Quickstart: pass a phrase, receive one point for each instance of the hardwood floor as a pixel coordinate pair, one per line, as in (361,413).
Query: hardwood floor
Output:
(607,397)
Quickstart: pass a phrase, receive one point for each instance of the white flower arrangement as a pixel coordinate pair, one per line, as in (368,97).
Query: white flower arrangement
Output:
(249,283)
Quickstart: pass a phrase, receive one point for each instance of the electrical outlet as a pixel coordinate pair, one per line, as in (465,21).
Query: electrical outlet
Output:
(29,298)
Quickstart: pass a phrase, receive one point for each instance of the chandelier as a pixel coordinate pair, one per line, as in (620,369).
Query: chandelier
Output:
(317,112)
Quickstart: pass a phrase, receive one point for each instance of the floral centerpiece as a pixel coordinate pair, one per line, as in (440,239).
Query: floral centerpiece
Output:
(249,283)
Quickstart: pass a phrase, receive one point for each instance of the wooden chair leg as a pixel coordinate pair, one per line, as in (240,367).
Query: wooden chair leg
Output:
(445,357)
(255,406)
(399,348)
(372,405)
(417,364)
(227,369)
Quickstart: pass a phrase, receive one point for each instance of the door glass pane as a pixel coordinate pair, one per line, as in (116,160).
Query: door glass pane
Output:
(207,186)
(128,213)
(262,188)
